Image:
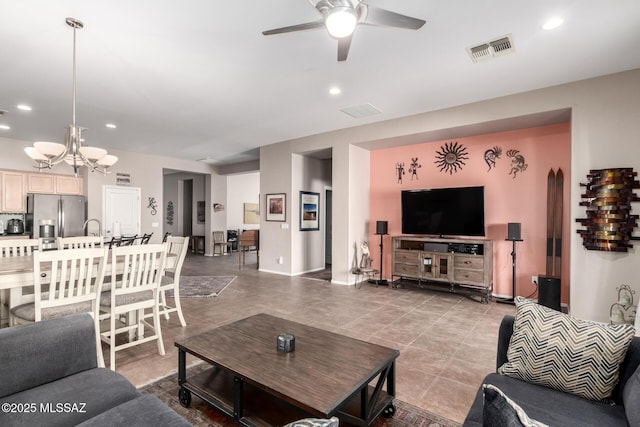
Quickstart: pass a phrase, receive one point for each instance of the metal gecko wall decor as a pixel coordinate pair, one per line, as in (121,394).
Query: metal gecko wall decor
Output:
(491,155)
(413,169)
(153,205)
(450,158)
(518,163)
(399,171)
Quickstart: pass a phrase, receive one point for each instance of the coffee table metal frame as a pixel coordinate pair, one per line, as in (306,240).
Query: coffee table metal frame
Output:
(234,394)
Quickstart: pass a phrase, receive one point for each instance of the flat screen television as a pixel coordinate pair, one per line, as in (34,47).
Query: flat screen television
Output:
(444,211)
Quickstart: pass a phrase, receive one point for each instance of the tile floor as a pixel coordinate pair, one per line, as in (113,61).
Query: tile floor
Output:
(447,342)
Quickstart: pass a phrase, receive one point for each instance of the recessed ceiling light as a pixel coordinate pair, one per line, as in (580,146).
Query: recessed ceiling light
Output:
(4,127)
(335,90)
(111,126)
(552,23)
(24,107)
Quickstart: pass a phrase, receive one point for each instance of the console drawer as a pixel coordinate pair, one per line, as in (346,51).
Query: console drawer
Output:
(462,275)
(406,269)
(471,262)
(406,256)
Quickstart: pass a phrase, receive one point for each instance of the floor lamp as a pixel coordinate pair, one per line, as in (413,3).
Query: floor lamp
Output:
(513,235)
(381,229)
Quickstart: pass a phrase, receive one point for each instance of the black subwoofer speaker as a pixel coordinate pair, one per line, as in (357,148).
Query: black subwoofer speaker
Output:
(381,227)
(513,231)
(549,292)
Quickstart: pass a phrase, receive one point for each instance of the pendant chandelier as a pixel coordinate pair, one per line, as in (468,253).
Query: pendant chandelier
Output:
(46,154)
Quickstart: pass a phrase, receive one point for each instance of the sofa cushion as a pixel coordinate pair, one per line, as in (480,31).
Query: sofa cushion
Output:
(552,407)
(555,350)
(70,400)
(143,411)
(499,410)
(631,397)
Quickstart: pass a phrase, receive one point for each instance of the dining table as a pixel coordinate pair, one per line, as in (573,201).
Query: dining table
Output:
(16,273)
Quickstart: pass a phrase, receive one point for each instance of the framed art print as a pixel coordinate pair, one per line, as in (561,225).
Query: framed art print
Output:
(276,207)
(309,211)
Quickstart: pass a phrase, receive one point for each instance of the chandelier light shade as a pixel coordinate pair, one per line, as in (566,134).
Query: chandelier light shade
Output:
(46,154)
(341,22)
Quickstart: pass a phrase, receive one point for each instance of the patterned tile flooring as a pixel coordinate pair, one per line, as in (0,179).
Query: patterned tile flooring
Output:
(447,342)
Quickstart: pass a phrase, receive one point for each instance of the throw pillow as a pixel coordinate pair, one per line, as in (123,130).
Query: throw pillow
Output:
(555,350)
(315,422)
(499,410)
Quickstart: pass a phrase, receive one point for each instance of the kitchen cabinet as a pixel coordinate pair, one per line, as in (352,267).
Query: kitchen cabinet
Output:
(54,184)
(12,192)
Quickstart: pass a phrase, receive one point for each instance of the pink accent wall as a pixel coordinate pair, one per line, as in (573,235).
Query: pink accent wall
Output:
(521,199)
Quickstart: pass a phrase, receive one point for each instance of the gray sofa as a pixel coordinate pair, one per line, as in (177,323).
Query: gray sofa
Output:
(49,377)
(556,408)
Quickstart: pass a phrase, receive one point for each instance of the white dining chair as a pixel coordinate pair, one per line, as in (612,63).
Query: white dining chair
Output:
(136,272)
(176,253)
(13,248)
(78,242)
(64,284)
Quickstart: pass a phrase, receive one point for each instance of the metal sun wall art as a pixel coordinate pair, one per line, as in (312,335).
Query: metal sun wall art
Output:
(450,158)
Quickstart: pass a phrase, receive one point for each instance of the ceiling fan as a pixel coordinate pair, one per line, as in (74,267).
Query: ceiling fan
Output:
(340,18)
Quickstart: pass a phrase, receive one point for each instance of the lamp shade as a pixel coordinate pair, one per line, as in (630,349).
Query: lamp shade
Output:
(341,22)
(93,153)
(34,154)
(108,160)
(49,149)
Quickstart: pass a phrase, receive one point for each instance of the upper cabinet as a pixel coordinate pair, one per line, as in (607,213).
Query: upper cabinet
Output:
(12,192)
(54,184)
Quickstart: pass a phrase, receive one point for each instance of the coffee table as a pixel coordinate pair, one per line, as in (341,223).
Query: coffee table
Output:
(326,375)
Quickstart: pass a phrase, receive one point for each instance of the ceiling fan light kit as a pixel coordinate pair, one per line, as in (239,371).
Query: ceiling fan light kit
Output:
(46,154)
(340,18)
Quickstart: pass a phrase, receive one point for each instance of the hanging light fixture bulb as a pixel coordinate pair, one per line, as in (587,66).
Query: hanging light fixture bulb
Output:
(47,154)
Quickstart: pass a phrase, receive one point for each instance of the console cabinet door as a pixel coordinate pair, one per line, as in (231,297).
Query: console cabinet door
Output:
(14,199)
(436,266)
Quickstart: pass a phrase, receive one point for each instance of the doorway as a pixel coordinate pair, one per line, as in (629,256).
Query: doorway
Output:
(121,210)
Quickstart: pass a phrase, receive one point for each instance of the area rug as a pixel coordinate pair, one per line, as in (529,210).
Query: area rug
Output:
(201,414)
(202,286)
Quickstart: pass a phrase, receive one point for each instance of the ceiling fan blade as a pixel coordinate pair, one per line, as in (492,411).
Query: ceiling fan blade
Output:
(300,27)
(383,17)
(343,47)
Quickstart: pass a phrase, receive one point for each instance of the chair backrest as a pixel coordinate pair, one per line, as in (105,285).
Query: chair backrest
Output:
(79,242)
(128,240)
(249,238)
(218,237)
(145,238)
(137,268)
(177,248)
(70,276)
(17,247)
(166,236)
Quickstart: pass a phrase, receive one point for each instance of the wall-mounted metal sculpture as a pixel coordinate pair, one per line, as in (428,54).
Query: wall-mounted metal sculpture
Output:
(609,223)
(518,163)
(450,157)
(413,169)
(491,155)
(399,171)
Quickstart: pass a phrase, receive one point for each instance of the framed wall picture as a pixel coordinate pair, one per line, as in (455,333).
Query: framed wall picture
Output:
(251,213)
(276,207)
(309,211)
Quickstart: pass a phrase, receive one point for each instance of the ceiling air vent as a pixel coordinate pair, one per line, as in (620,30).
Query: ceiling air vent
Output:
(360,111)
(491,49)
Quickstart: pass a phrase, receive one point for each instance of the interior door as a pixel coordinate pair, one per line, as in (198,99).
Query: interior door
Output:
(121,205)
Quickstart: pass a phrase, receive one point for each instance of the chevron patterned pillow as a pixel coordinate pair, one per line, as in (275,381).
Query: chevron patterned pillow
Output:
(555,350)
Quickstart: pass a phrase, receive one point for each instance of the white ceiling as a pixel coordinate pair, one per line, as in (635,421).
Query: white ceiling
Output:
(197,79)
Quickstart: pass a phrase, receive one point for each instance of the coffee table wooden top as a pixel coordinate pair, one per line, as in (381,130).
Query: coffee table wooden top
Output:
(324,371)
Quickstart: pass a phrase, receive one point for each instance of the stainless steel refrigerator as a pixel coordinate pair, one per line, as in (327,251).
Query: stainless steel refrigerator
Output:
(66,213)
